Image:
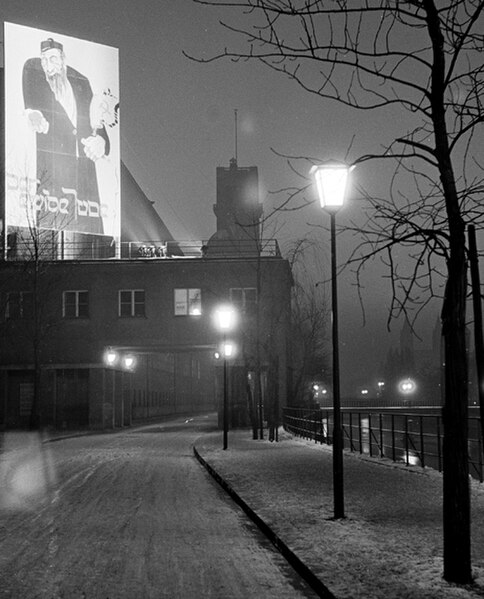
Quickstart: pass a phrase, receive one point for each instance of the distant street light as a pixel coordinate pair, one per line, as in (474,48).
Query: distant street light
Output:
(129,362)
(331,182)
(110,357)
(407,386)
(225,318)
(114,358)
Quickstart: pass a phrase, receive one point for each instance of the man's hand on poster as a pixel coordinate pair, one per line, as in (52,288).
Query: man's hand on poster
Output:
(94,147)
(37,121)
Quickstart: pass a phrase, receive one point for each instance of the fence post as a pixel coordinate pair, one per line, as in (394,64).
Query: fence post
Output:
(406,439)
(370,434)
(422,450)
(479,446)
(439,444)
(381,435)
(360,434)
(351,431)
(394,455)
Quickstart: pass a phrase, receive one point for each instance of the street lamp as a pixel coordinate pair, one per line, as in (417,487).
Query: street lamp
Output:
(110,357)
(225,318)
(407,386)
(129,362)
(331,183)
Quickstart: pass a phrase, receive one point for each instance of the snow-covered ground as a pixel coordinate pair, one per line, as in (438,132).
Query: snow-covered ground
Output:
(130,515)
(390,544)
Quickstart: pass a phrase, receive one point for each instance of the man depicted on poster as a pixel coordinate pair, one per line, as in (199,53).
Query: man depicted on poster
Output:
(60,110)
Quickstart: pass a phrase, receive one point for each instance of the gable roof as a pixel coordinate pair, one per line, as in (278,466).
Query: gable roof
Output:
(139,219)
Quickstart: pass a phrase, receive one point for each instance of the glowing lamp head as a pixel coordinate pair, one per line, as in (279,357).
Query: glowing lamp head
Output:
(225,318)
(110,357)
(129,362)
(228,349)
(331,183)
(407,386)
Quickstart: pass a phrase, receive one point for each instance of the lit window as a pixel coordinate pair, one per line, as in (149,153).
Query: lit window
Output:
(20,304)
(188,302)
(75,304)
(131,303)
(244,298)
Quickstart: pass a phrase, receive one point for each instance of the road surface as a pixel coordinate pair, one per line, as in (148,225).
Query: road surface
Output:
(125,516)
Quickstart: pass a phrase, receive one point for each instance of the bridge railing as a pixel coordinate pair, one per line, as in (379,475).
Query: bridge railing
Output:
(414,437)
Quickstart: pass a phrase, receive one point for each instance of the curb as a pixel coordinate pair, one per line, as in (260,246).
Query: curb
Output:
(304,572)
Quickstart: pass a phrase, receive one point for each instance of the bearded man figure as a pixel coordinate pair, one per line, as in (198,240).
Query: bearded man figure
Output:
(57,102)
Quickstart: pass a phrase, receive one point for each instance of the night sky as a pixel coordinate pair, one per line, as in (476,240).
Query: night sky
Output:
(177,126)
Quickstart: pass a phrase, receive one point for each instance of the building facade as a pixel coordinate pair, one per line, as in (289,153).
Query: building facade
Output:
(157,310)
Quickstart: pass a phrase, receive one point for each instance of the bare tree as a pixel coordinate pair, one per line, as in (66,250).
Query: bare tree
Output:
(422,61)
(29,286)
(309,313)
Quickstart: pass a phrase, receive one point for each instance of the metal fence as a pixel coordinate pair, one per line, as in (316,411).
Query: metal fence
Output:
(57,245)
(414,437)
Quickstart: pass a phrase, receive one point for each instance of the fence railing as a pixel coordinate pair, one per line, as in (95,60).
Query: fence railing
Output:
(414,437)
(53,245)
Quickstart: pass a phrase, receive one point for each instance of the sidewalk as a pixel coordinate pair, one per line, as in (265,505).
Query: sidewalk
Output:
(389,546)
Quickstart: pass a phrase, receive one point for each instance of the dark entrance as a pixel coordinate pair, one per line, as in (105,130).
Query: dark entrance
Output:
(72,398)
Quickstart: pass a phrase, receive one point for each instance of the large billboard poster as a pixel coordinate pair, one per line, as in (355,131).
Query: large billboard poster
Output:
(62,150)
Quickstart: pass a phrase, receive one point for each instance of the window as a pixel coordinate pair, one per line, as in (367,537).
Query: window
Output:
(188,302)
(244,298)
(20,304)
(75,304)
(131,303)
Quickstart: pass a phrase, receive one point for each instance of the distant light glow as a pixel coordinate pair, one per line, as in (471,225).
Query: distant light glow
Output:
(228,349)
(407,386)
(111,357)
(129,362)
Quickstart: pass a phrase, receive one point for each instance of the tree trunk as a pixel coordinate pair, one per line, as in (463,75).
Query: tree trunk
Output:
(456,512)
(456,509)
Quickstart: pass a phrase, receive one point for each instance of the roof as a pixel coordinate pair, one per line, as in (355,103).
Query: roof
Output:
(139,219)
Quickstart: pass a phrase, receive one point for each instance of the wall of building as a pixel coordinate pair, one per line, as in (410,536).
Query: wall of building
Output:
(175,369)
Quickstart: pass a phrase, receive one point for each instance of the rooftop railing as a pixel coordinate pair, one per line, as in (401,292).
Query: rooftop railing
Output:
(56,248)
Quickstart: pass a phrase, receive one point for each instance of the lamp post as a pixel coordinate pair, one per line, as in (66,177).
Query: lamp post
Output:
(225,319)
(119,361)
(331,183)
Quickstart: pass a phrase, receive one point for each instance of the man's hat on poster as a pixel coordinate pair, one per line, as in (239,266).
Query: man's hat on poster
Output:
(50,44)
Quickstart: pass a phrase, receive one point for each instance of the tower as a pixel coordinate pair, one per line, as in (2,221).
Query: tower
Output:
(238,210)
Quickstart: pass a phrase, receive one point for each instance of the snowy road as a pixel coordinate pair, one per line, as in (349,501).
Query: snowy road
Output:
(126,516)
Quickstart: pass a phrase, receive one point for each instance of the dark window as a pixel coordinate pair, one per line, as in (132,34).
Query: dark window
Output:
(75,304)
(20,304)
(131,303)
(244,298)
